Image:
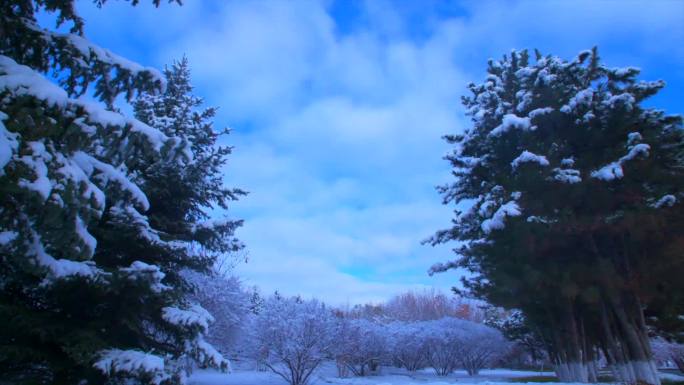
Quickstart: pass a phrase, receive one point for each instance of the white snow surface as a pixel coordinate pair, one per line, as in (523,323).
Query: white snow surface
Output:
(246,375)
(389,376)
(529,157)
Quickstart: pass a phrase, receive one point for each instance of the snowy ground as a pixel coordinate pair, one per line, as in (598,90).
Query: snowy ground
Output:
(327,375)
(390,376)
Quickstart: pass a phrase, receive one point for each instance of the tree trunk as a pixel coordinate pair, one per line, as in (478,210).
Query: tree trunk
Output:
(634,338)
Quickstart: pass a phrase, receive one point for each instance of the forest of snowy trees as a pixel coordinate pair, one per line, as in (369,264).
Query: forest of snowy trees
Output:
(114,235)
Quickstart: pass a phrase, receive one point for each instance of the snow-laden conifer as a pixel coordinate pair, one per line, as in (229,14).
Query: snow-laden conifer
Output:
(568,193)
(90,290)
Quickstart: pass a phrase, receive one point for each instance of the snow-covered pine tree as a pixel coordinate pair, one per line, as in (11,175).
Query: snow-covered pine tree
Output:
(569,196)
(75,309)
(181,198)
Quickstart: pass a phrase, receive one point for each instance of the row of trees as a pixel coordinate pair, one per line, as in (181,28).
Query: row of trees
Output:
(569,207)
(101,214)
(292,337)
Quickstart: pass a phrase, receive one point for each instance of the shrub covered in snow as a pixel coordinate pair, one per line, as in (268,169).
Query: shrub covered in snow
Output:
(224,297)
(454,343)
(292,337)
(408,345)
(360,345)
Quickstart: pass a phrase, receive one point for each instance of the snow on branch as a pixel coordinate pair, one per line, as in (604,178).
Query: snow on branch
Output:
(21,80)
(194,316)
(529,157)
(92,51)
(639,150)
(614,170)
(440,267)
(142,270)
(131,363)
(668,200)
(8,144)
(609,172)
(60,268)
(496,222)
(512,121)
(581,100)
(208,355)
(567,175)
(107,172)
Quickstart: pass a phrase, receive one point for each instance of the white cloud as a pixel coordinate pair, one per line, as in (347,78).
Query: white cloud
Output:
(337,134)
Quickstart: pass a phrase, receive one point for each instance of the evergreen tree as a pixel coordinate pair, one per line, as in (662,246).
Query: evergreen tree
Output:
(90,290)
(181,198)
(569,197)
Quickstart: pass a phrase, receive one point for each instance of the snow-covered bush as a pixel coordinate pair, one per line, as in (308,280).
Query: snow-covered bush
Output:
(443,344)
(454,343)
(408,345)
(482,346)
(668,354)
(224,297)
(292,337)
(360,345)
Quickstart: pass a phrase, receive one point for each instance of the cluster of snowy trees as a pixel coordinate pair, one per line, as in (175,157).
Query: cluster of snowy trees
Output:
(420,306)
(292,337)
(569,208)
(103,216)
(568,198)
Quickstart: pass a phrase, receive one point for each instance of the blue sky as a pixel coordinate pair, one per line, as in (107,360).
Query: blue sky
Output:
(338,108)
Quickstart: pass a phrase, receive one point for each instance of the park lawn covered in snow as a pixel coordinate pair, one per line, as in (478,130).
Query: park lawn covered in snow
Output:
(390,376)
